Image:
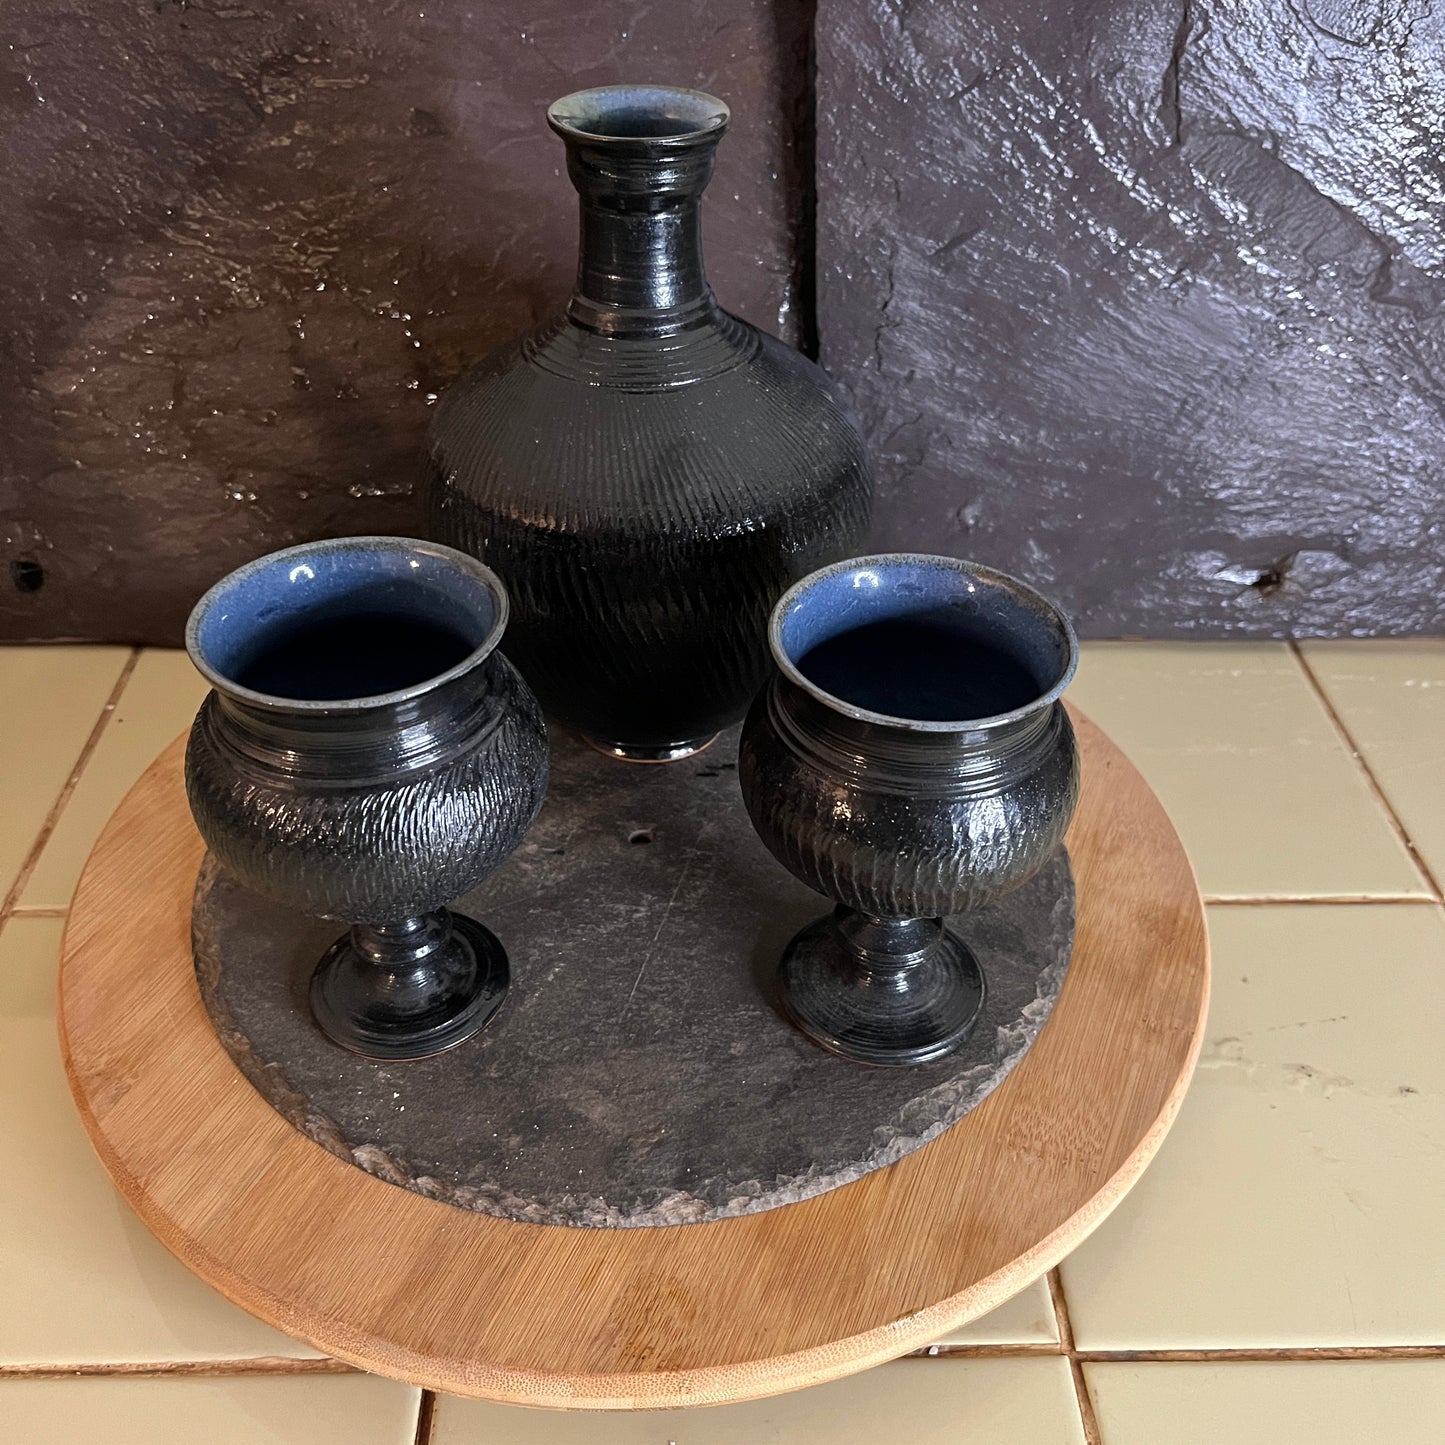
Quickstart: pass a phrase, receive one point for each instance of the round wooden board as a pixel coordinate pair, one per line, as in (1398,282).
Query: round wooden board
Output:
(632,1318)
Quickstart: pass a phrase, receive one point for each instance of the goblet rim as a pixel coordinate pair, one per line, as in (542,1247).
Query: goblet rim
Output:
(362,702)
(1030,596)
(565,114)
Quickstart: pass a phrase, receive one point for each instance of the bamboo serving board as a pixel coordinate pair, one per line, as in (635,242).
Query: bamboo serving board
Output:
(689,1314)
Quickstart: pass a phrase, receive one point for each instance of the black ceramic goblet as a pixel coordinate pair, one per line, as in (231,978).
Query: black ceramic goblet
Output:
(910,758)
(368,755)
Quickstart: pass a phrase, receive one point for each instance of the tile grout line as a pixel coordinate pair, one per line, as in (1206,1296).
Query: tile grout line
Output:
(1401,832)
(1288,1353)
(425,1418)
(287,1365)
(1088,1421)
(260,1365)
(1344,900)
(1022,1350)
(92,741)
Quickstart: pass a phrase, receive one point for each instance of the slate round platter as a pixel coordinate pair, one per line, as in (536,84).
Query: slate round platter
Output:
(639,1073)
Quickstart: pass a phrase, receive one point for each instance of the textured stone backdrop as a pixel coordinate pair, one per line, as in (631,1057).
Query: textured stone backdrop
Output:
(1143,298)
(244,245)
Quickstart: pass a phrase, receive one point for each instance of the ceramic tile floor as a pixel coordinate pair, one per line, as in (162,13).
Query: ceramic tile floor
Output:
(1275,1277)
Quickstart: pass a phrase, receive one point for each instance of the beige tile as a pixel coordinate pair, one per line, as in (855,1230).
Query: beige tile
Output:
(925,1402)
(1391,698)
(84,1282)
(50,699)
(159,701)
(1354,1402)
(1297,1200)
(1026,1319)
(192,1410)
(1259,783)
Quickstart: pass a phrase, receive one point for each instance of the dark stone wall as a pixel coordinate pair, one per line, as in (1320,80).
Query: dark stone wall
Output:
(245,245)
(1143,300)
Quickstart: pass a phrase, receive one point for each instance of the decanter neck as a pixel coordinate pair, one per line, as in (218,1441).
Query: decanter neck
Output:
(640,273)
(640,161)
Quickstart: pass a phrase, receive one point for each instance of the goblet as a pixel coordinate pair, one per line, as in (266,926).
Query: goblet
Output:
(366,754)
(910,759)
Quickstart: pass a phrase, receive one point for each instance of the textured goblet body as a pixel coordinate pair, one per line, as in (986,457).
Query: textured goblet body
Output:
(385,813)
(903,824)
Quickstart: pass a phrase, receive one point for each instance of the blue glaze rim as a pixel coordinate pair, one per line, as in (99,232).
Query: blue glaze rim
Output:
(569,115)
(791,600)
(232,581)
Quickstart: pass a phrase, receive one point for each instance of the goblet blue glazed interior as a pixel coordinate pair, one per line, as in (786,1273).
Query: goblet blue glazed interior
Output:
(910,759)
(333,626)
(926,644)
(368,755)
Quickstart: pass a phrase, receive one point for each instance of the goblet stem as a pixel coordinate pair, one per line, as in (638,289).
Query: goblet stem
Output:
(882,990)
(411,987)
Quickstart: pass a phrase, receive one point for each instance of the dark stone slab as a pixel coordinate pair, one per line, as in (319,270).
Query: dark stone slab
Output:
(1146,302)
(638,1074)
(245,245)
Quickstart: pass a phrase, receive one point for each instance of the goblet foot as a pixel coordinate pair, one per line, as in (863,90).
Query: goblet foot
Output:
(651,752)
(881,990)
(410,989)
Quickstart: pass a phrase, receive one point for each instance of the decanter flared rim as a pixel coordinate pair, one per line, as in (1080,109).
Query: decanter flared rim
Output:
(650,116)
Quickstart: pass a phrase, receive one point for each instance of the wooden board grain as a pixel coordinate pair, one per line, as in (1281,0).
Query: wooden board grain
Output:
(632,1318)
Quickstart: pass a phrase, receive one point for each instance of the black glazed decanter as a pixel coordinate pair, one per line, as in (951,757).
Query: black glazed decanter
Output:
(646,472)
